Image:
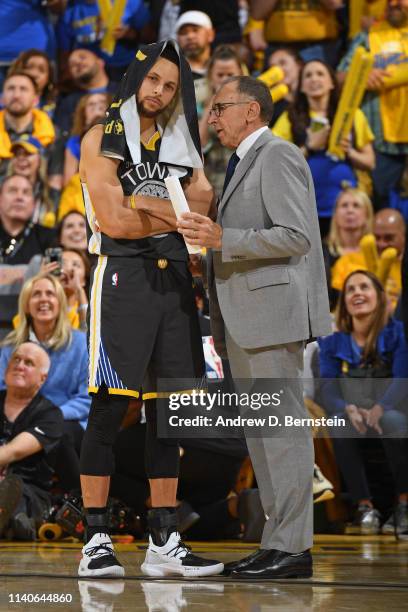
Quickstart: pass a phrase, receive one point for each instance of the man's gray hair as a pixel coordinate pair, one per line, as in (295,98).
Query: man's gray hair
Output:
(255,90)
(46,362)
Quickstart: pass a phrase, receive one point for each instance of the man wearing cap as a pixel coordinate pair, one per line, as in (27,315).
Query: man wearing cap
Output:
(29,160)
(27,151)
(195,34)
(143,320)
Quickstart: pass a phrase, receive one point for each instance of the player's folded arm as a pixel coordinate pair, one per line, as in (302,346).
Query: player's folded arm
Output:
(105,190)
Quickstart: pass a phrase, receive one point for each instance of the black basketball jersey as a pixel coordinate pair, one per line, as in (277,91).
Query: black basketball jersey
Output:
(147,179)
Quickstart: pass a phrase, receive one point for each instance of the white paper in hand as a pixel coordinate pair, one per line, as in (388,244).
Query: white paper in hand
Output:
(180,204)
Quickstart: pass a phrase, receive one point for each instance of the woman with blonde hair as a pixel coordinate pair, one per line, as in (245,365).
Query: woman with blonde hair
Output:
(352,219)
(43,319)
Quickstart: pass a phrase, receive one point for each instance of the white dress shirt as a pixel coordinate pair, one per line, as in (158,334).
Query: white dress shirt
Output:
(247,143)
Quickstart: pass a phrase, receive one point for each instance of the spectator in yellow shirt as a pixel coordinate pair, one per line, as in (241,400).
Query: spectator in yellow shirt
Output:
(20,115)
(309,26)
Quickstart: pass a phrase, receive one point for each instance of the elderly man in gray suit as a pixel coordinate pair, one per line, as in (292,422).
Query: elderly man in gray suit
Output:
(268,296)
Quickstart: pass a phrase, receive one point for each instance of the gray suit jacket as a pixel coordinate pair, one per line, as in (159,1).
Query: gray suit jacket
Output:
(268,283)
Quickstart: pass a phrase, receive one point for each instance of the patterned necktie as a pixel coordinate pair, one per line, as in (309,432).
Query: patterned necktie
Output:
(232,164)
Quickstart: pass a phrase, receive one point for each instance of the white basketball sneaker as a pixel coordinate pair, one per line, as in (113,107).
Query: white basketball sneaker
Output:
(176,559)
(98,559)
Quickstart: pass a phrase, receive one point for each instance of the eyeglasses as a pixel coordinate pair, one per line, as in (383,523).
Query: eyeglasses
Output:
(219,108)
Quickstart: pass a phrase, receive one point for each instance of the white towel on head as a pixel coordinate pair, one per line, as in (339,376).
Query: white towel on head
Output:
(177,147)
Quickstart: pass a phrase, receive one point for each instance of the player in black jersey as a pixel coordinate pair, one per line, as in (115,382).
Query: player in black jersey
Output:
(143,322)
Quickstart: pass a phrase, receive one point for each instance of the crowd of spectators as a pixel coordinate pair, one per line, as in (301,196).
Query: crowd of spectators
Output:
(57,78)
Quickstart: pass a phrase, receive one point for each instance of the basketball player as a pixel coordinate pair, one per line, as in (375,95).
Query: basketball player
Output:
(143,322)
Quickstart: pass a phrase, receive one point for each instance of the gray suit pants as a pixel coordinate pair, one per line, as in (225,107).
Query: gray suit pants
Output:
(283,465)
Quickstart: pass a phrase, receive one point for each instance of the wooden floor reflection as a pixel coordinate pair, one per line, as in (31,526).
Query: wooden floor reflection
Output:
(350,573)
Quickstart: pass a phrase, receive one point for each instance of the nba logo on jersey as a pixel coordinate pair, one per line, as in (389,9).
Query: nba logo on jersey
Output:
(115,278)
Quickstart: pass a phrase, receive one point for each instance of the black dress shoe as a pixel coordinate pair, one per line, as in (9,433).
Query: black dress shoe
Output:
(277,564)
(242,563)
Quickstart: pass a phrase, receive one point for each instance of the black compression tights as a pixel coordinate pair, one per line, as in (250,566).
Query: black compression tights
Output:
(162,457)
(105,418)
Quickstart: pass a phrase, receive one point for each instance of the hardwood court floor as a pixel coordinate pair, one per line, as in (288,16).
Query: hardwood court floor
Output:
(350,573)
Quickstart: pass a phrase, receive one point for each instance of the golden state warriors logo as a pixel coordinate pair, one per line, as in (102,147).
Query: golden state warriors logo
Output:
(140,56)
(118,127)
(109,127)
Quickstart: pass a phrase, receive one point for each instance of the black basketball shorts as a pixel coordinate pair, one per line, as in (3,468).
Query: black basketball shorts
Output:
(143,326)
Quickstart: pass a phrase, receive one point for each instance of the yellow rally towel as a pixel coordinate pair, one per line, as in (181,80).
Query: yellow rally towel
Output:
(390,48)
(43,130)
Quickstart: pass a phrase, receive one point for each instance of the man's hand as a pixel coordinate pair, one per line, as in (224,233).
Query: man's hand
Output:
(199,230)
(373,417)
(376,79)
(356,418)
